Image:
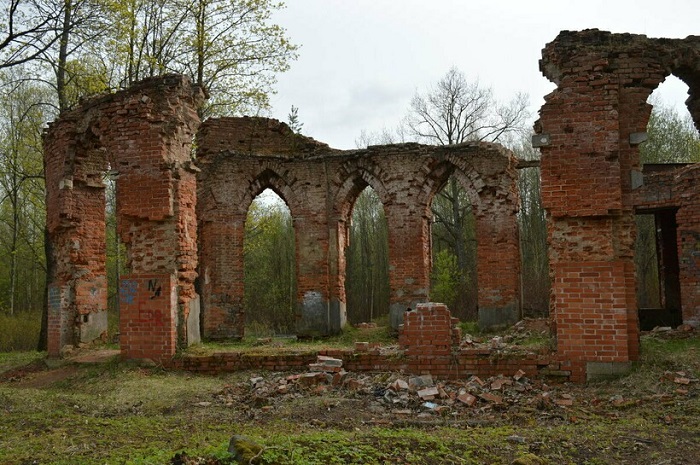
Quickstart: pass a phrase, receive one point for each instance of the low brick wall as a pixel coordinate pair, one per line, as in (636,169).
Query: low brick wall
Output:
(461,364)
(430,345)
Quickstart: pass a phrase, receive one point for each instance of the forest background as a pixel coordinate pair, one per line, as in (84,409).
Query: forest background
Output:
(55,53)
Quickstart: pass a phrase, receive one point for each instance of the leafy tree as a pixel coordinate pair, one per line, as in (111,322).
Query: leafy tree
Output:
(22,189)
(454,235)
(233,50)
(367,269)
(671,137)
(445,277)
(534,271)
(27,30)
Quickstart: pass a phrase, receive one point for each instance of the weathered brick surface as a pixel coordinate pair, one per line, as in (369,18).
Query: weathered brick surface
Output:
(240,157)
(429,330)
(458,365)
(677,188)
(603,81)
(144,134)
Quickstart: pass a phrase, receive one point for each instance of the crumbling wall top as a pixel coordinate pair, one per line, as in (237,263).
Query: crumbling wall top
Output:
(572,50)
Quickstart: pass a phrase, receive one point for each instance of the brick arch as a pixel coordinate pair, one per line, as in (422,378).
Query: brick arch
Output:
(155,210)
(268,178)
(487,175)
(438,171)
(353,177)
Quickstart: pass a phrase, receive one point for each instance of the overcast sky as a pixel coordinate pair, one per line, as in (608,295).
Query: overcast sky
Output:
(361,61)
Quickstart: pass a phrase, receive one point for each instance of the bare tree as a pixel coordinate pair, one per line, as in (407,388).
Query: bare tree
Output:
(456,110)
(27,30)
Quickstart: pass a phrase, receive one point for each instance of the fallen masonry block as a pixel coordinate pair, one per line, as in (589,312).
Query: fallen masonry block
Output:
(329,361)
(467,399)
(418,382)
(488,397)
(399,385)
(428,393)
(362,346)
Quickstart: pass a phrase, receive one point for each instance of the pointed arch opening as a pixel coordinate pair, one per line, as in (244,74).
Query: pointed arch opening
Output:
(367,260)
(269,260)
(672,142)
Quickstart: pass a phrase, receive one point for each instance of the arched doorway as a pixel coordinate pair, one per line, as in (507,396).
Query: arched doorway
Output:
(269,267)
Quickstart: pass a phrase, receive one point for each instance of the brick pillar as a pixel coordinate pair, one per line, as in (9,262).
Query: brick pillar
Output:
(222,235)
(585,173)
(688,220)
(77,299)
(144,134)
(498,262)
(409,260)
(317,314)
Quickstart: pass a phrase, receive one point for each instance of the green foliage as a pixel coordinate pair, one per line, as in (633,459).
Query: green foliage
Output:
(22,214)
(454,240)
(446,278)
(672,137)
(293,120)
(367,270)
(270,268)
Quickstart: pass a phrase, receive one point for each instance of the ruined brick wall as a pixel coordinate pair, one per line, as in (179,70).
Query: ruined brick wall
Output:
(677,188)
(240,157)
(143,135)
(430,329)
(588,161)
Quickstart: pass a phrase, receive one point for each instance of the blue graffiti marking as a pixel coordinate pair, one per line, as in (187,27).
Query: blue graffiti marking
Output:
(127,291)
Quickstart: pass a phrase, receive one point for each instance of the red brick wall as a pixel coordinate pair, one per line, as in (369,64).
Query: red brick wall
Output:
(677,187)
(428,330)
(603,81)
(240,157)
(144,134)
(148,317)
(429,342)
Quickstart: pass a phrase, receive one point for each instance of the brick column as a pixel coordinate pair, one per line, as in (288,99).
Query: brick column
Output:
(590,225)
(316,314)
(409,260)
(688,220)
(222,279)
(498,261)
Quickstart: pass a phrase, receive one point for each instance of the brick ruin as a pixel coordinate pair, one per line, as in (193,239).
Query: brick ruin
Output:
(241,157)
(589,132)
(179,218)
(143,136)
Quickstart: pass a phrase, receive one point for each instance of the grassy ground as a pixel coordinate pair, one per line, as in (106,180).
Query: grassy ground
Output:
(116,413)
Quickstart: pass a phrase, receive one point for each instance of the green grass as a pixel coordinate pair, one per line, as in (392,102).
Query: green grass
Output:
(116,413)
(253,345)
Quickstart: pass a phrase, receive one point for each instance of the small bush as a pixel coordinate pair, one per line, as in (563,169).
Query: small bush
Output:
(19,332)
